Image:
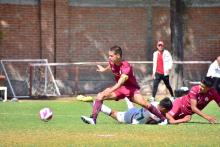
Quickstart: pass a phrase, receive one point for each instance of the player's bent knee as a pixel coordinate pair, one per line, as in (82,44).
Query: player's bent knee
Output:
(100,96)
(113,114)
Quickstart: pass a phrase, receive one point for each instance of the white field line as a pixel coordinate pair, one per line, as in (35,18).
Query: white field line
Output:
(105,135)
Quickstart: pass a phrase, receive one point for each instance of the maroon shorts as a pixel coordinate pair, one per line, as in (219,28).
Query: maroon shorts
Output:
(128,92)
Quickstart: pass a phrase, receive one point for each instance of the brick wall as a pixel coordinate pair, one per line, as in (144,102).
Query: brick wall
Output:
(201,39)
(74,31)
(21,34)
(40,31)
(161,26)
(47,29)
(94,30)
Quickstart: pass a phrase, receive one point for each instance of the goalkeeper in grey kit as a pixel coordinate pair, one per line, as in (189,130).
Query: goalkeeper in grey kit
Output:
(136,115)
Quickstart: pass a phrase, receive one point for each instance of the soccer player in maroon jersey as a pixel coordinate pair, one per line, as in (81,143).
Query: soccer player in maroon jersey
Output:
(125,86)
(198,98)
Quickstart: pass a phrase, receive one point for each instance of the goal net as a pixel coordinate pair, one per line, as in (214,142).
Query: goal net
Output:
(17,75)
(42,81)
(82,78)
(69,78)
(40,78)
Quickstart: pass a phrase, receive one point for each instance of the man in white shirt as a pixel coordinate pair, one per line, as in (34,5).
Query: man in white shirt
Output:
(214,71)
(162,65)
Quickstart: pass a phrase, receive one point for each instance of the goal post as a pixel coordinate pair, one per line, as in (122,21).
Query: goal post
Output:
(42,81)
(16,72)
(37,77)
(67,78)
(81,77)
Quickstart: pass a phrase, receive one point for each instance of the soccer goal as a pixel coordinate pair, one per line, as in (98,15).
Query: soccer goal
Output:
(52,79)
(69,78)
(17,72)
(37,77)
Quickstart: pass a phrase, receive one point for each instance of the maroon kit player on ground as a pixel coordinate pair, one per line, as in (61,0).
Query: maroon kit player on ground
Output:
(198,98)
(125,86)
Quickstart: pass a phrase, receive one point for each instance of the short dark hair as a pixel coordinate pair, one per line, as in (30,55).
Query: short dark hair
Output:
(166,103)
(208,81)
(116,49)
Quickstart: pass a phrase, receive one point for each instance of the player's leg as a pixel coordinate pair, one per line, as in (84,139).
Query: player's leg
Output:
(114,114)
(110,112)
(119,116)
(129,103)
(167,83)
(120,93)
(156,82)
(98,103)
(105,109)
(139,99)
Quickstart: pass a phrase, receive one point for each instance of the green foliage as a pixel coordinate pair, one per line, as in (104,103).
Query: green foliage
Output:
(20,126)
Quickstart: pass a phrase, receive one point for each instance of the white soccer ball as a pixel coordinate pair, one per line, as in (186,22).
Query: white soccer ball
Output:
(46,114)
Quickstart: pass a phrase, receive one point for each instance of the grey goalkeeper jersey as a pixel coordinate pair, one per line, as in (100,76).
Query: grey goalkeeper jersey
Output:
(139,115)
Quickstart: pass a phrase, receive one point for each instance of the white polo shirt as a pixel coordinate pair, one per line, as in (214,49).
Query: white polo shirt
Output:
(214,70)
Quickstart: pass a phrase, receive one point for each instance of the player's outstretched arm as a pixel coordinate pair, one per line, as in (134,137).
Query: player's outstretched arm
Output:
(194,108)
(103,69)
(171,120)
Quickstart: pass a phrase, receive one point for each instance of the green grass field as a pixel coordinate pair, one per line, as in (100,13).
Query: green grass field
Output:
(20,126)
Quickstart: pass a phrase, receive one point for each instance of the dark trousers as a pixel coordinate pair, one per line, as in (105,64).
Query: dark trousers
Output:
(217,85)
(158,78)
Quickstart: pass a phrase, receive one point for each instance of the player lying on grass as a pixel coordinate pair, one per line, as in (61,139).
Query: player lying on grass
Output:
(126,86)
(136,115)
(198,98)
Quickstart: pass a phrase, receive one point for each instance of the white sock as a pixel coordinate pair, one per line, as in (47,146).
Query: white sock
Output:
(105,109)
(129,103)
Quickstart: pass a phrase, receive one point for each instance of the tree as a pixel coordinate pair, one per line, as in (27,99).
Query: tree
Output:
(176,24)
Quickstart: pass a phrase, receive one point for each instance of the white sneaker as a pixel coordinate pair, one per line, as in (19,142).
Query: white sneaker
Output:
(151,99)
(87,120)
(165,122)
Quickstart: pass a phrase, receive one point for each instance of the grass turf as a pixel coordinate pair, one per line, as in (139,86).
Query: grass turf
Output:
(20,126)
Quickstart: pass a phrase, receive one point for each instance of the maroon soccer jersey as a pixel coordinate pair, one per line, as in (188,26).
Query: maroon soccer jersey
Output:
(182,106)
(124,68)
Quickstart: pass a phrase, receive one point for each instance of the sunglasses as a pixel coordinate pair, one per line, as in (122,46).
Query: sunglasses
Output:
(160,44)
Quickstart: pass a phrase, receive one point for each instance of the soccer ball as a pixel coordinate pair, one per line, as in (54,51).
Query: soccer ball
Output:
(46,114)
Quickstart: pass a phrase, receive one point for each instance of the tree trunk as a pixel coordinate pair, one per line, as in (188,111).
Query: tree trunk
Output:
(176,25)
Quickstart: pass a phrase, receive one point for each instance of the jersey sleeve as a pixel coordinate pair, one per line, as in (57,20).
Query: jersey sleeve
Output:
(126,69)
(193,92)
